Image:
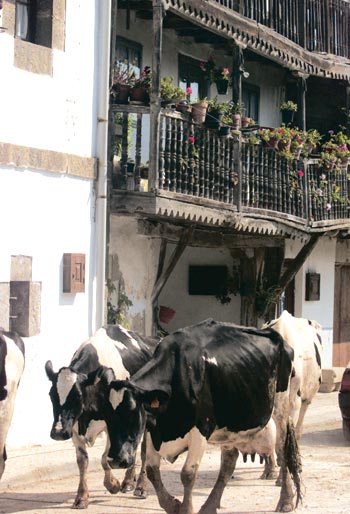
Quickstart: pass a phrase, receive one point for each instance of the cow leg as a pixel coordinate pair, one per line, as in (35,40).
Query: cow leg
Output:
(302,412)
(229,458)
(3,458)
(110,482)
(196,449)
(170,504)
(82,497)
(141,485)
(270,468)
(290,466)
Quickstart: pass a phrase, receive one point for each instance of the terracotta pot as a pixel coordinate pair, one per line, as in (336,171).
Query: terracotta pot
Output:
(246,122)
(236,121)
(284,145)
(199,111)
(272,143)
(139,94)
(120,93)
(166,314)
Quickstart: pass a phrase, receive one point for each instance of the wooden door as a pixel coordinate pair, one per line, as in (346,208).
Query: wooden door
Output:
(341,328)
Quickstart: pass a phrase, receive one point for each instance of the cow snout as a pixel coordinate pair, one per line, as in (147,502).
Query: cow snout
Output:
(59,435)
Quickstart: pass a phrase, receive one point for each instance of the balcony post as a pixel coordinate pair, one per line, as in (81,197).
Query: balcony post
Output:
(302,88)
(302,23)
(237,70)
(155,102)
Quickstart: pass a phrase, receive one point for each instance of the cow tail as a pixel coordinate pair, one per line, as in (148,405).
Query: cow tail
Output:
(293,459)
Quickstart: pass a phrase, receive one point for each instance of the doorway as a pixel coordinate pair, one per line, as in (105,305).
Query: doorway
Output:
(341,328)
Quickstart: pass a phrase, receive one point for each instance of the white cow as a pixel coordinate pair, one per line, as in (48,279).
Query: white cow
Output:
(11,369)
(304,336)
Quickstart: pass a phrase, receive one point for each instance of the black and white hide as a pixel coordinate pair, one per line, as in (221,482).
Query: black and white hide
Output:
(11,369)
(75,400)
(211,382)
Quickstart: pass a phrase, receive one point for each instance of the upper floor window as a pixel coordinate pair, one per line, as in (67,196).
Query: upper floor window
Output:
(34,21)
(129,53)
(251,100)
(191,75)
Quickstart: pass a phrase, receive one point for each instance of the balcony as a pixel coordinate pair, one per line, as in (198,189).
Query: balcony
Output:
(203,172)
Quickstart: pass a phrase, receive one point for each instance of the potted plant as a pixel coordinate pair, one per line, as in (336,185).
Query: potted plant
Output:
(288,108)
(139,92)
(270,137)
(122,79)
(215,112)
(221,76)
(234,110)
(169,92)
(312,140)
(199,110)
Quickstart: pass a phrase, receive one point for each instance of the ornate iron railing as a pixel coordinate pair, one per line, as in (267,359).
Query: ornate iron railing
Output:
(197,162)
(317,25)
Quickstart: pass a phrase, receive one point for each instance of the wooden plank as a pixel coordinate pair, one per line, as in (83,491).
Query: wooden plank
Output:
(174,258)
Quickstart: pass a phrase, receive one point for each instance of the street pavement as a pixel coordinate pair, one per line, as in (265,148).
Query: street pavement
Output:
(43,480)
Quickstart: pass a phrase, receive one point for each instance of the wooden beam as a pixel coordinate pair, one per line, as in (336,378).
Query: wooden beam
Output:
(292,270)
(164,275)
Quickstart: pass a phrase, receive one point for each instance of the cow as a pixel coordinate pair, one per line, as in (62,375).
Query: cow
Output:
(12,356)
(75,404)
(304,336)
(210,382)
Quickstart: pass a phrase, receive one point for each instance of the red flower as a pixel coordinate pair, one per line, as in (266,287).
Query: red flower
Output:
(189,90)
(300,173)
(191,139)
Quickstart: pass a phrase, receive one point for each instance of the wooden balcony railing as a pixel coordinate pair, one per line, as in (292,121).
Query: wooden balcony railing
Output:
(195,161)
(316,25)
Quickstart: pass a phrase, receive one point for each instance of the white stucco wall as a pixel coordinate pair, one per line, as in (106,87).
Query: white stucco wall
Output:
(43,216)
(191,309)
(321,260)
(137,258)
(53,112)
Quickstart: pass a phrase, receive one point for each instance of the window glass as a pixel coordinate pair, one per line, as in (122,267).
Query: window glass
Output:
(250,100)
(34,21)
(130,54)
(190,75)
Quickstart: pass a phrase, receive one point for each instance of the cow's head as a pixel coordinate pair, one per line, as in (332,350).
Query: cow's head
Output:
(66,394)
(124,411)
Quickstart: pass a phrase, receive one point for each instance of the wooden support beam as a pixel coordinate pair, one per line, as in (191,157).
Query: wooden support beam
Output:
(155,103)
(174,258)
(292,270)
(237,64)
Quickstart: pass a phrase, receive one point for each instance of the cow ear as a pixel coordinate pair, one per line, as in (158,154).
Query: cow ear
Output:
(155,401)
(49,371)
(104,376)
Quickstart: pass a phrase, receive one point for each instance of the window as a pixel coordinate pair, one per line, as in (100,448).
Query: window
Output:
(190,75)
(250,100)
(207,280)
(34,21)
(129,53)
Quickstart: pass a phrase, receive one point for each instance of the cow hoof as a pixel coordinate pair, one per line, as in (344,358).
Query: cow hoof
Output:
(80,503)
(140,493)
(285,507)
(112,487)
(269,476)
(126,487)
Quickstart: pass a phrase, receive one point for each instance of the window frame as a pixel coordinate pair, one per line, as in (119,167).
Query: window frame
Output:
(33,21)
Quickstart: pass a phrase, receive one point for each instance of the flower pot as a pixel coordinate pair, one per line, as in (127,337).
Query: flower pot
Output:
(221,86)
(225,131)
(199,111)
(120,93)
(184,108)
(236,121)
(246,122)
(213,119)
(284,145)
(166,314)
(287,117)
(272,143)
(140,95)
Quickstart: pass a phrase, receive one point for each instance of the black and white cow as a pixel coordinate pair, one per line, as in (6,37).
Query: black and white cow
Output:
(212,382)
(76,405)
(11,369)
(304,336)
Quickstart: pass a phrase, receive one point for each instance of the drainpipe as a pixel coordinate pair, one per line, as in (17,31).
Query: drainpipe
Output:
(103,56)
